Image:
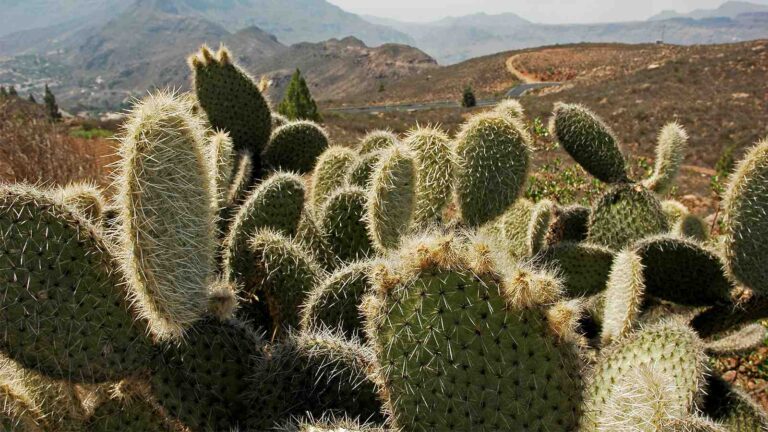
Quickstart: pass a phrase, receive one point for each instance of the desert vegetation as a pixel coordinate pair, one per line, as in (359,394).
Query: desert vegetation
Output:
(244,273)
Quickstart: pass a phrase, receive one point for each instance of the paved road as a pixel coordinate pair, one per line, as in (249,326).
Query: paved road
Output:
(515,92)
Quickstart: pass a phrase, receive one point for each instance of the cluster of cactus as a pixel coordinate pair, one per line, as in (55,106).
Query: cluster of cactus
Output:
(243,279)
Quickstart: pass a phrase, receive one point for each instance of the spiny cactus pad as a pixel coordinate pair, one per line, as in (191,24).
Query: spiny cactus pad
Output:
(584,267)
(168,214)
(313,373)
(295,147)
(590,142)
(434,158)
(86,198)
(361,172)
(571,224)
(203,380)
(221,156)
(625,214)
(624,296)
(242,179)
(392,198)
(669,348)
(736,410)
(511,108)
(343,223)
(513,225)
(377,140)
(335,303)
(492,158)
(692,227)
(746,225)
(130,415)
(460,347)
(65,311)
(231,99)
(538,227)
(670,152)
(330,174)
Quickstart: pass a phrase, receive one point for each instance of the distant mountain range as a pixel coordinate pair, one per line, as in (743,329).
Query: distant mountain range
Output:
(731,9)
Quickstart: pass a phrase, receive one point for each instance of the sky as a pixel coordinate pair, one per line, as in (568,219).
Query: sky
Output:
(541,11)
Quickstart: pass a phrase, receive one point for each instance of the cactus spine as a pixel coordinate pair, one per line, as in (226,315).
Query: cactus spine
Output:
(87,198)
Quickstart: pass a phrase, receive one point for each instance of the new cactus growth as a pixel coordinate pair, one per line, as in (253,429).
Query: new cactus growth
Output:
(492,158)
(343,223)
(513,226)
(670,152)
(447,327)
(435,164)
(538,227)
(392,198)
(86,198)
(361,172)
(377,140)
(590,142)
(583,266)
(295,147)
(222,159)
(511,108)
(232,100)
(745,226)
(624,297)
(65,310)
(168,214)
(330,174)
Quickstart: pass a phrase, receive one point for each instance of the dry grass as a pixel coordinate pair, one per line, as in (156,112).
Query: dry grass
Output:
(34,150)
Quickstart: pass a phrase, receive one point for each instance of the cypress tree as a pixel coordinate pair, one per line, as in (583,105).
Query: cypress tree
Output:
(298,103)
(32,98)
(50,105)
(468,98)
(3,92)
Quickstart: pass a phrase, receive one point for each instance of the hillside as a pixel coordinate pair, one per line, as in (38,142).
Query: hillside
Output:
(731,9)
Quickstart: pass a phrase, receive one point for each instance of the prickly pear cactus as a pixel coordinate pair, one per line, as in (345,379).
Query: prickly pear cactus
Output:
(221,157)
(330,174)
(492,159)
(584,267)
(511,108)
(590,142)
(624,296)
(295,147)
(392,198)
(65,310)
(231,100)
(242,179)
(541,218)
(513,227)
(377,140)
(570,224)
(361,172)
(435,164)
(343,223)
(87,198)
(447,327)
(670,152)
(168,214)
(735,409)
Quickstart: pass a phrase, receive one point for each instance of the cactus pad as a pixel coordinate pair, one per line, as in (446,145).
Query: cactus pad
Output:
(571,224)
(342,222)
(295,147)
(392,198)
(377,140)
(435,165)
(670,152)
(86,198)
(330,174)
(584,267)
(361,172)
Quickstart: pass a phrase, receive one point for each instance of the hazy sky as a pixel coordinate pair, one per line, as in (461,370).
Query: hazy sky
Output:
(542,11)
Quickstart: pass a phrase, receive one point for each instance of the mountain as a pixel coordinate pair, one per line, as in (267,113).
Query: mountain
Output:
(731,9)
(20,15)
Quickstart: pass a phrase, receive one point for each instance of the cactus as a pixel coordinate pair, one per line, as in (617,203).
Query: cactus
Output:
(203,380)
(277,203)
(168,214)
(624,297)
(334,304)
(584,267)
(510,108)
(222,159)
(745,225)
(361,172)
(86,198)
(447,327)
(669,348)
(312,239)
(514,225)
(65,311)
(280,274)
(295,147)
(590,142)
(330,174)
(435,164)
(392,198)
(129,412)
(232,101)
(241,180)
(279,120)
(744,340)
(732,407)
(377,140)
(675,210)
(313,373)
(492,157)
(329,425)
(625,214)
(570,224)
(692,227)
(343,223)
(670,151)
(538,227)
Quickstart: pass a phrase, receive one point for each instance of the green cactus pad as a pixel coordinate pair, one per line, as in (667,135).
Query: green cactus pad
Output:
(670,152)
(460,347)
(624,297)
(313,373)
(280,273)
(295,147)
(343,223)
(683,272)
(538,228)
(65,311)
(86,198)
(692,227)
(511,108)
(361,172)
(435,165)
(168,214)
(727,317)
(221,157)
(590,142)
(279,120)
(669,348)
(203,380)
(625,214)
(746,225)
(330,174)
(278,204)
(741,341)
(335,303)
(584,267)
(514,224)
(232,100)
(312,239)
(392,198)
(736,410)
(377,140)
(675,210)
(133,415)
(492,158)
(329,425)
(571,224)
(242,180)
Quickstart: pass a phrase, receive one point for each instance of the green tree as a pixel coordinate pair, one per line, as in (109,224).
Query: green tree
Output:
(298,103)
(12,92)
(32,98)
(468,99)
(50,105)
(3,92)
